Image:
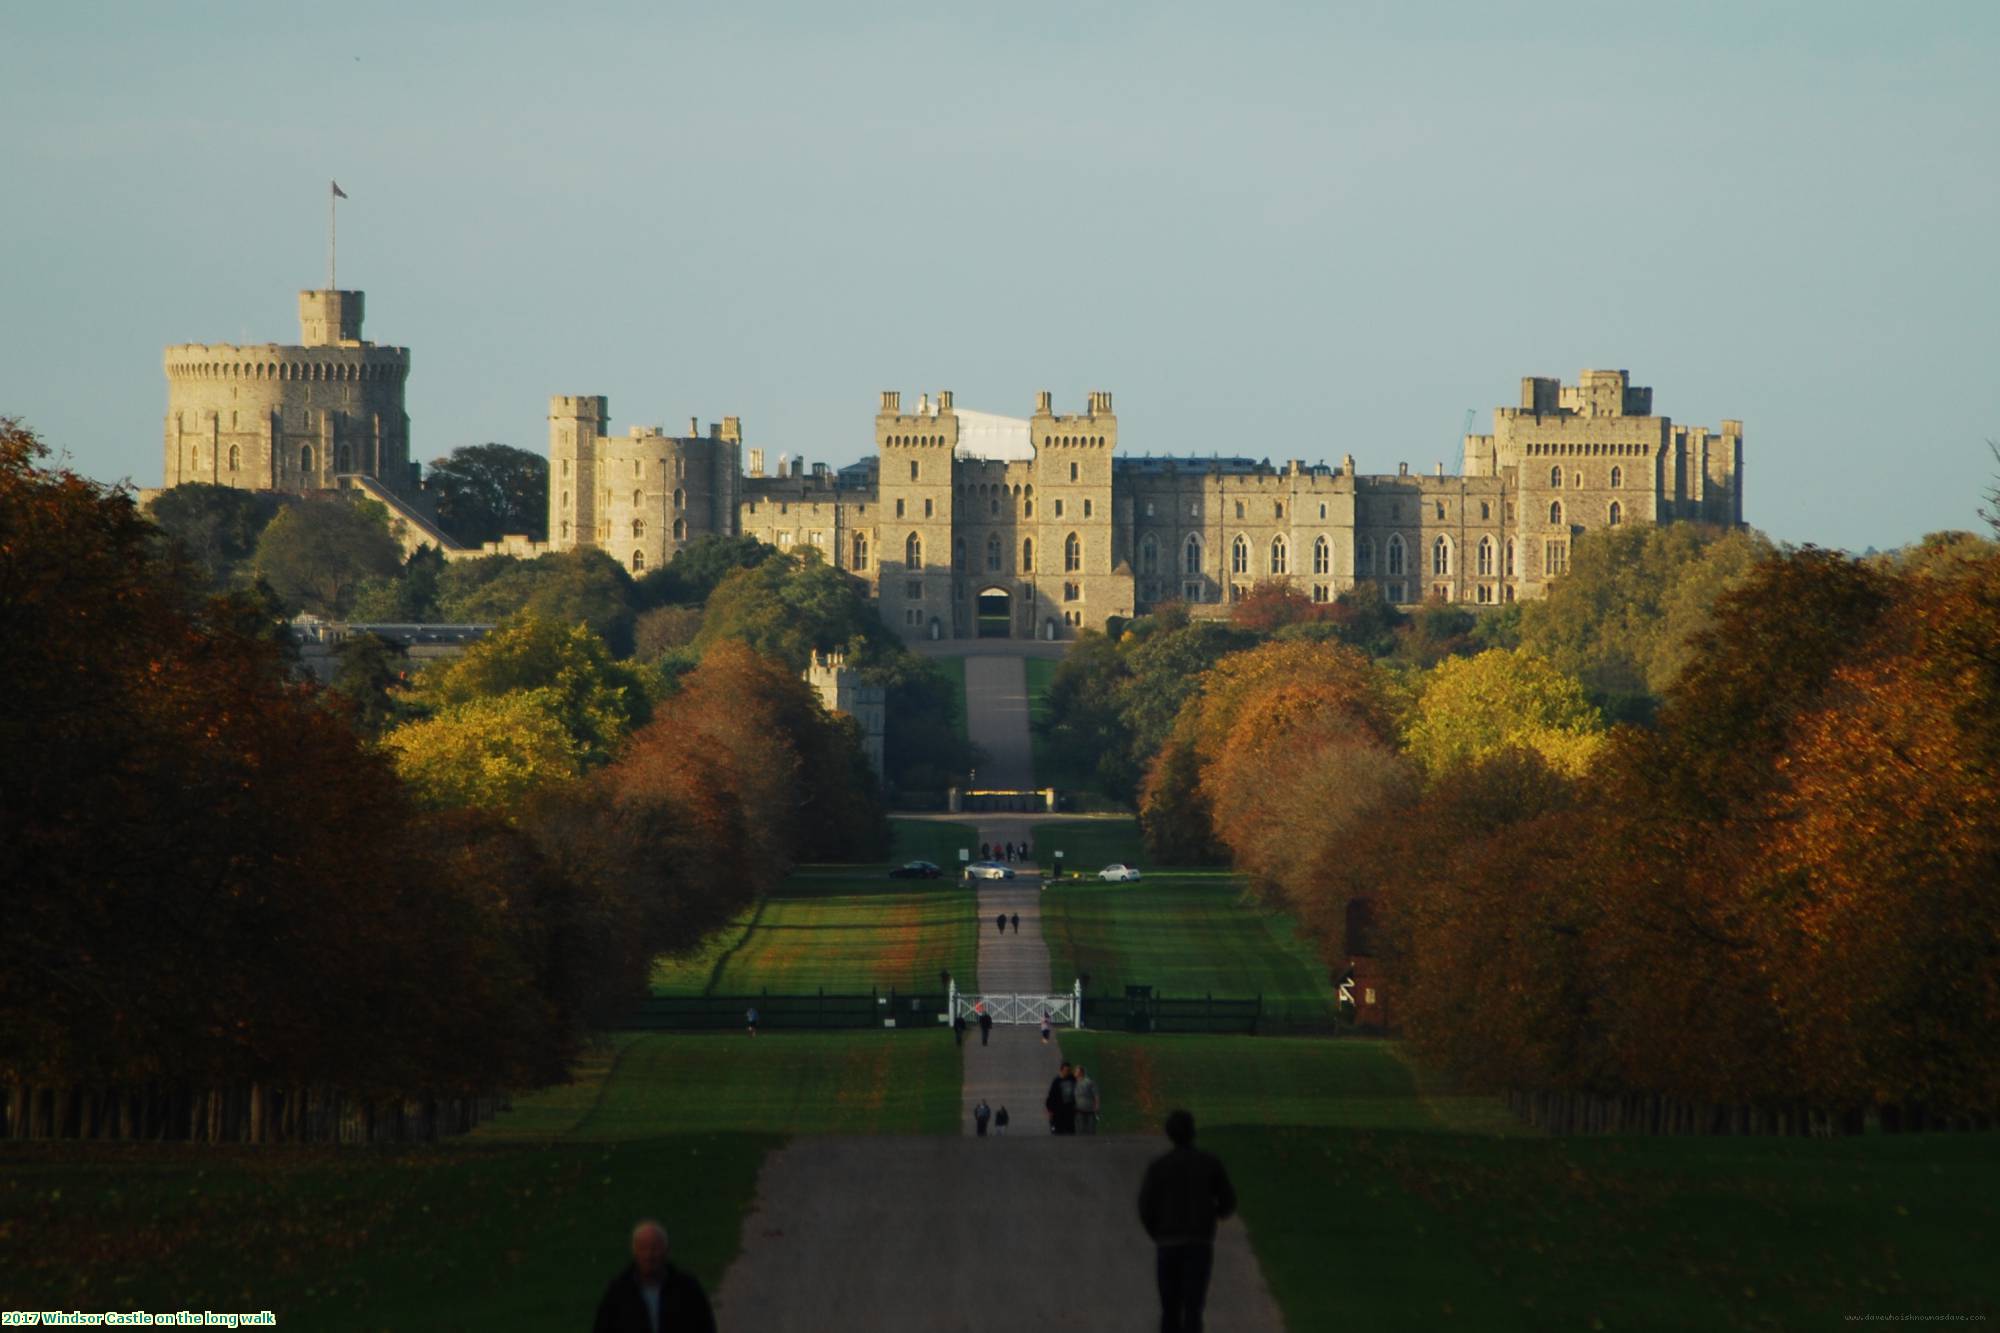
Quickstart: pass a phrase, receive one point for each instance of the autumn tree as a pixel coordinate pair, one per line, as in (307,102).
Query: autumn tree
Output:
(317,553)
(1471,708)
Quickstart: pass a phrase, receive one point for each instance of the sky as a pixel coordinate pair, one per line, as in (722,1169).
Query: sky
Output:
(1286,231)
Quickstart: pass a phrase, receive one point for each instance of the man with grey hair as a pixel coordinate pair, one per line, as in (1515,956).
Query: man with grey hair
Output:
(652,1296)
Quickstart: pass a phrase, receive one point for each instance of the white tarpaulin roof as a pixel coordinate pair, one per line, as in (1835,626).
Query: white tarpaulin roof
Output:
(1001,439)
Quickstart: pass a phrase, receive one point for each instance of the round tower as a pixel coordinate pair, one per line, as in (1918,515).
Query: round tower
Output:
(291,418)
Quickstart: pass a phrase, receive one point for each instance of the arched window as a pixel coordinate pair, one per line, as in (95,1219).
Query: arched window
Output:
(306,460)
(1485,556)
(913,552)
(1364,557)
(1555,478)
(1441,556)
(1617,514)
(638,527)
(1555,511)
(680,529)
(860,550)
(993,552)
(1149,555)
(638,499)
(565,499)
(1322,556)
(1395,553)
(958,554)
(680,499)
(1072,553)
(1239,555)
(235,457)
(342,460)
(1280,556)
(1027,555)
(993,507)
(1617,477)
(638,561)
(1191,555)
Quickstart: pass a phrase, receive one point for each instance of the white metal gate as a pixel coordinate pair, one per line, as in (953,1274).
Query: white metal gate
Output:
(1065,1009)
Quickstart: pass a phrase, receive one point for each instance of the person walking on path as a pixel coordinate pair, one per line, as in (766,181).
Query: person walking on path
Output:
(1061,1101)
(1086,1102)
(652,1295)
(986,851)
(1000,1121)
(1017,923)
(985,1026)
(1185,1193)
(1001,921)
(980,1115)
(1047,1020)
(958,1029)
(750,1019)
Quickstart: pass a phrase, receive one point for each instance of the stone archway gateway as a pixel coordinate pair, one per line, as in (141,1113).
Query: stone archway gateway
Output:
(995,613)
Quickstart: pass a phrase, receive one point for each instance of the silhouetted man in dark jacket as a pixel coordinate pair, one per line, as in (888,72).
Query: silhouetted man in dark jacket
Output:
(652,1296)
(1186,1193)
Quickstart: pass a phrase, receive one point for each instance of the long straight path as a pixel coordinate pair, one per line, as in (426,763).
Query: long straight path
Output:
(1013,1069)
(996,719)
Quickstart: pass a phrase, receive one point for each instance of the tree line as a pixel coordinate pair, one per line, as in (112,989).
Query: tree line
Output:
(245,908)
(1726,859)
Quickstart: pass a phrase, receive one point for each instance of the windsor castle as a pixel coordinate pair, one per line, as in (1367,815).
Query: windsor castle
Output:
(971,524)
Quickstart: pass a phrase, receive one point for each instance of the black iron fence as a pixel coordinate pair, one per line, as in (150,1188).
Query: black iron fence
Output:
(891,1009)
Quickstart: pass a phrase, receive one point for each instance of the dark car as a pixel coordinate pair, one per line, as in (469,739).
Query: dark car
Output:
(915,870)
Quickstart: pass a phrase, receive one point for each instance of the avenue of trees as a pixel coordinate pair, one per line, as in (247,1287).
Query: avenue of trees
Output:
(1771,903)
(245,908)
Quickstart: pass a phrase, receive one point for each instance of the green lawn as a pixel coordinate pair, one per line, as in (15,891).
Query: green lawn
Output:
(1039,670)
(930,840)
(1373,1202)
(953,670)
(516,1227)
(1093,844)
(836,930)
(1184,935)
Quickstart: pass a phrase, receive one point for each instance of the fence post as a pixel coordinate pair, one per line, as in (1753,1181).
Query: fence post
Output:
(1076,1017)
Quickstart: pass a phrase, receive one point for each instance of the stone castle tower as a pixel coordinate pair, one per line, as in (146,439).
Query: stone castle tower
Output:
(641,496)
(276,418)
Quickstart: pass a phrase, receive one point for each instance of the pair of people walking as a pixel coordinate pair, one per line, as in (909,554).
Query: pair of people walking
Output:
(1001,922)
(1073,1101)
(983,1113)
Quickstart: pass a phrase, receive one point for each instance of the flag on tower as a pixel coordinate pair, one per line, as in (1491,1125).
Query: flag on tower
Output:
(338,193)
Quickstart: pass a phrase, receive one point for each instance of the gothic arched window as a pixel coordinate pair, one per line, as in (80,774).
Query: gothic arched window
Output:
(1555,478)
(1239,555)
(1617,514)
(1072,553)
(1191,554)
(913,552)
(1322,556)
(1485,556)
(1395,553)
(1280,556)
(1149,555)
(1441,556)
(993,553)
(1555,511)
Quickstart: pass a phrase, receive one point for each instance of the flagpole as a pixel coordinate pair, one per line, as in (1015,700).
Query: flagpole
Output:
(332,193)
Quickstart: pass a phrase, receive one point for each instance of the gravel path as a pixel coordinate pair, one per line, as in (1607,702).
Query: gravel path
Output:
(996,720)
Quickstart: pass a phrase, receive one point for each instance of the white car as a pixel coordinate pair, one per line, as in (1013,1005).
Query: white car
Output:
(989,870)
(1118,873)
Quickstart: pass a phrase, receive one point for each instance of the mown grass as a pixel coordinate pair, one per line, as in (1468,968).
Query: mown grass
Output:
(929,840)
(1375,1202)
(1090,845)
(517,1226)
(953,670)
(1184,935)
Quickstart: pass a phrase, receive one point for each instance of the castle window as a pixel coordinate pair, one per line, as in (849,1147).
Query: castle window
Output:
(638,469)
(565,529)
(1027,555)
(1555,558)
(680,529)
(1616,515)
(1277,509)
(914,590)
(1509,571)
(860,551)
(1239,553)
(958,554)
(638,561)
(565,470)
(993,552)
(1280,557)
(1440,509)
(1028,507)
(1086,508)
(1485,510)
(638,499)
(1555,478)
(1239,509)
(1321,592)
(913,552)
(306,460)
(1071,592)
(1059,508)
(638,527)
(927,508)
(1149,509)
(343,461)
(913,469)
(1149,555)
(1191,592)
(1072,553)
(899,509)
(680,466)
(1322,557)
(1072,472)
(1555,511)
(1441,556)
(993,506)
(1485,594)
(1322,511)
(1396,554)
(565,499)
(1617,477)
(680,499)
(1485,556)
(235,457)
(1191,555)
(1194,509)
(1576,479)
(784,538)
(1364,557)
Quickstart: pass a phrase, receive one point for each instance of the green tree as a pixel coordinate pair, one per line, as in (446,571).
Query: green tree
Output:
(583,586)
(316,554)
(215,527)
(1472,708)
(484,492)
(790,604)
(696,568)
(596,699)
(488,753)
(366,668)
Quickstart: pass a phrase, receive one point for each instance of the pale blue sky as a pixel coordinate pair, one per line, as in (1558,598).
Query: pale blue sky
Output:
(1285,231)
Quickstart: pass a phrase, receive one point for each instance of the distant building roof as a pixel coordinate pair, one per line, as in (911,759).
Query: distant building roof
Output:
(984,435)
